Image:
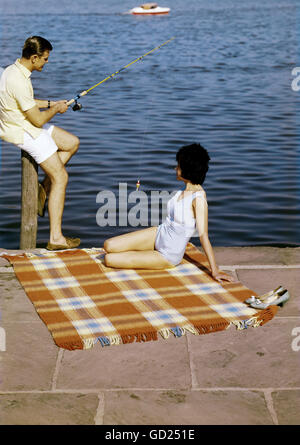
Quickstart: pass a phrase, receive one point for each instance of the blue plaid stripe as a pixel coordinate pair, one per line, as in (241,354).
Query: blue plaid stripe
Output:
(185,269)
(59,283)
(99,326)
(165,318)
(72,304)
(233,310)
(47,263)
(206,288)
(123,275)
(141,294)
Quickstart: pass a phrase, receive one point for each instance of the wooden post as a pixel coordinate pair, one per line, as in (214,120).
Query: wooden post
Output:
(29,202)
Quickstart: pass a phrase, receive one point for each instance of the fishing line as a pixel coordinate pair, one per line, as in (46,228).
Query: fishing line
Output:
(77,106)
(138,183)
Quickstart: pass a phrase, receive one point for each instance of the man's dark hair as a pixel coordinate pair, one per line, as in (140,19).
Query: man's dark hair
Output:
(35,45)
(193,161)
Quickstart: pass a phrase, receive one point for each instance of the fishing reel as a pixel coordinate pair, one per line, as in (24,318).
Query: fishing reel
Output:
(77,106)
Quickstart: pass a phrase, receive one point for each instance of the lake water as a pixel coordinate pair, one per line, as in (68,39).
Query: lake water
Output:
(225,81)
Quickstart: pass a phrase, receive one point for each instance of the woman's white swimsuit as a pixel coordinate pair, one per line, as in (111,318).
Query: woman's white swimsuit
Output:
(180,225)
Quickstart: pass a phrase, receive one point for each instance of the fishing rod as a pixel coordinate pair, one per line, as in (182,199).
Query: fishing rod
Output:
(77,106)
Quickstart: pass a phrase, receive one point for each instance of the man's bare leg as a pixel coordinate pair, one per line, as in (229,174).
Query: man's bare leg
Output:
(58,176)
(67,144)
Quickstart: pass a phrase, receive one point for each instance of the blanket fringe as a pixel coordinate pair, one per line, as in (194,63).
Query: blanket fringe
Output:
(267,314)
(260,319)
(244,324)
(139,337)
(177,331)
(213,327)
(11,254)
(71,346)
(104,341)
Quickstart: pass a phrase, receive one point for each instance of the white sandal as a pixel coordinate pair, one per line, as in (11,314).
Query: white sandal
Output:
(253,299)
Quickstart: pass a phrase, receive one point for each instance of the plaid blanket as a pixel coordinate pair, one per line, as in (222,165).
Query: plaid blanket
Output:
(83,302)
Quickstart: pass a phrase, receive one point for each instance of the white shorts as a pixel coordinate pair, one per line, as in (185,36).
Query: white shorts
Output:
(42,147)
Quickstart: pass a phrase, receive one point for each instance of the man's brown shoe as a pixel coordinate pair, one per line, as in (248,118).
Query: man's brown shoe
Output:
(42,196)
(71,244)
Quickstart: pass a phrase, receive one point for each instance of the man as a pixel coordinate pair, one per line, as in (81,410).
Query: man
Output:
(24,124)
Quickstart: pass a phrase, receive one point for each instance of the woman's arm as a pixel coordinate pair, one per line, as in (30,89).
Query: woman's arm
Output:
(201,213)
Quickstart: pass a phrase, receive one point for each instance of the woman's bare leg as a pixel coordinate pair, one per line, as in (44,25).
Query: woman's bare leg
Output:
(139,240)
(134,250)
(145,259)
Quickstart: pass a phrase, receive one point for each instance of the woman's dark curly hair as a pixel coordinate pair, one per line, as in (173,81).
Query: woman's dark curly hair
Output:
(193,161)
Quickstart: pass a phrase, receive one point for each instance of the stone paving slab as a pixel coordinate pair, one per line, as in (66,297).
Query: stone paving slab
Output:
(253,358)
(175,407)
(48,409)
(257,255)
(287,406)
(14,303)
(30,357)
(154,364)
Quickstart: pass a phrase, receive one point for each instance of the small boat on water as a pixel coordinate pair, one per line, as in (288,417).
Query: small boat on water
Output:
(149,8)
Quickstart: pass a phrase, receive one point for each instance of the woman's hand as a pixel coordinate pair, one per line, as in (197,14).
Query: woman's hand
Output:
(220,276)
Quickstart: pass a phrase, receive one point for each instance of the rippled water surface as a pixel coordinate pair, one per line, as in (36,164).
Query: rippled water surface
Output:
(225,81)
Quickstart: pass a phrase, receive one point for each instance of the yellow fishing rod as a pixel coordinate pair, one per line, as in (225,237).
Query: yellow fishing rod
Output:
(77,106)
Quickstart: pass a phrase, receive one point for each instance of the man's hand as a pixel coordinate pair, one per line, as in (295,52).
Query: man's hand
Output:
(39,118)
(61,106)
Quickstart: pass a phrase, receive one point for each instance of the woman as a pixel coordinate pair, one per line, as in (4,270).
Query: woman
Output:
(164,246)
